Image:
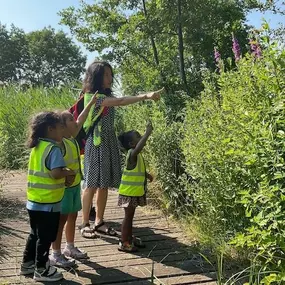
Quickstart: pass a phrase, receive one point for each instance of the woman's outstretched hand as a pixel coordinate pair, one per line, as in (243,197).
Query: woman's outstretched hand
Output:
(155,95)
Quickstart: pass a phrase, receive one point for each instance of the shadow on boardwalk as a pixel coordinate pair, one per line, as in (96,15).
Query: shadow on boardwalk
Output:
(10,209)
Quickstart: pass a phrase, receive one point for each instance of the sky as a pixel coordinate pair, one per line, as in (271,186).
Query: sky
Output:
(31,15)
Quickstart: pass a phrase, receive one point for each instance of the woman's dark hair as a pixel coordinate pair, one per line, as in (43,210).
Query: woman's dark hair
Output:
(39,125)
(126,138)
(93,79)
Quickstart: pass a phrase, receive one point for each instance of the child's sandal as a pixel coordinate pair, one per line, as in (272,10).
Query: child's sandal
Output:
(137,242)
(127,247)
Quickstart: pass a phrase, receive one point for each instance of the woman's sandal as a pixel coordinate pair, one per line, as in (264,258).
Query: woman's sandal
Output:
(86,231)
(137,242)
(127,247)
(109,231)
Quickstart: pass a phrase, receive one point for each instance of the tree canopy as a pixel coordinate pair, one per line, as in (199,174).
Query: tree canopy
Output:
(43,57)
(159,42)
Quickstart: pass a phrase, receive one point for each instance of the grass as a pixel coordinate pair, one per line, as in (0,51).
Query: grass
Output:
(16,109)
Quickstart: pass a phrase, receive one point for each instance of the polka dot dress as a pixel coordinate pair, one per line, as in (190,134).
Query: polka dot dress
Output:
(102,164)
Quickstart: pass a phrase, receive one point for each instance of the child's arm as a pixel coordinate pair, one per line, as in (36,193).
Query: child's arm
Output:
(56,164)
(84,114)
(58,173)
(140,145)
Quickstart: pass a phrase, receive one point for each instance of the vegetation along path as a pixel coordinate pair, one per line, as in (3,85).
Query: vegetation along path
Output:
(167,254)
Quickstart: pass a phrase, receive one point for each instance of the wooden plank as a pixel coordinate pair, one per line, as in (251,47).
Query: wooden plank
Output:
(106,265)
(186,260)
(112,276)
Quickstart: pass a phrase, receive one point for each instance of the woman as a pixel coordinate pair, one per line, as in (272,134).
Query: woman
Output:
(102,165)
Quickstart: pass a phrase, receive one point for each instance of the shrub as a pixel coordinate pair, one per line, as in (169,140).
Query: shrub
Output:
(234,144)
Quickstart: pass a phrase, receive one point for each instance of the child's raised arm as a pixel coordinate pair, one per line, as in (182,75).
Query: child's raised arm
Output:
(140,145)
(84,114)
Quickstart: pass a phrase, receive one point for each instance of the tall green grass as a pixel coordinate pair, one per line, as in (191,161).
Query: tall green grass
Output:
(16,109)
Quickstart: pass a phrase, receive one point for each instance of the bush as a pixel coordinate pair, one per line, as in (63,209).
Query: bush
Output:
(234,144)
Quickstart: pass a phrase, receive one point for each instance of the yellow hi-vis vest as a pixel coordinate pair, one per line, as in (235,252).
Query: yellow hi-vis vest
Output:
(82,164)
(72,159)
(133,181)
(90,121)
(42,188)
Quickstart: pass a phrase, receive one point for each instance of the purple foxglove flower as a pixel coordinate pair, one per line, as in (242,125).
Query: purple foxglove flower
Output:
(258,52)
(217,55)
(218,60)
(236,49)
(255,48)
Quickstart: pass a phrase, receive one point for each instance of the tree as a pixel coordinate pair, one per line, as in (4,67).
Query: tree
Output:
(159,42)
(53,58)
(44,57)
(13,48)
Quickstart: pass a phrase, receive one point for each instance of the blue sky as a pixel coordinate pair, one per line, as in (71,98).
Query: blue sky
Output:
(32,15)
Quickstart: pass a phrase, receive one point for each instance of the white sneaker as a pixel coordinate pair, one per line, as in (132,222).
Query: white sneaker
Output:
(61,261)
(75,253)
(49,274)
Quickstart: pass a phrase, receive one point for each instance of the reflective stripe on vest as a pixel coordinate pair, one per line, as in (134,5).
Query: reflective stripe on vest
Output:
(72,159)
(133,181)
(82,164)
(42,188)
(90,121)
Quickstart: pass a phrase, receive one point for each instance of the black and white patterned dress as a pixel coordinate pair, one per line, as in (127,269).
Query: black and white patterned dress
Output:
(102,164)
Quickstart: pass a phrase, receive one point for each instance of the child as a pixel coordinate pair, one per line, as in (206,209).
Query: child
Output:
(47,176)
(71,202)
(133,185)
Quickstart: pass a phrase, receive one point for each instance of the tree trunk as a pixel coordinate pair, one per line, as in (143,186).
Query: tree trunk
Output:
(181,47)
(155,53)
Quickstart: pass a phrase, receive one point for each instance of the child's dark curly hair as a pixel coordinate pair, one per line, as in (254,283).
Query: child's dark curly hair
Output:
(39,125)
(125,139)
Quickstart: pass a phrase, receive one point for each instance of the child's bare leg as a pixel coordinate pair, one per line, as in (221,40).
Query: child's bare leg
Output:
(127,224)
(56,245)
(70,227)
(70,250)
(57,258)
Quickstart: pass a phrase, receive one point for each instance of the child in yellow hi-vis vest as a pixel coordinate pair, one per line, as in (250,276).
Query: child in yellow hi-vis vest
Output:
(47,177)
(132,191)
(71,202)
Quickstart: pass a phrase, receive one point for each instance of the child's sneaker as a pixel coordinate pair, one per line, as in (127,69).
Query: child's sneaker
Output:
(61,261)
(75,252)
(27,268)
(49,274)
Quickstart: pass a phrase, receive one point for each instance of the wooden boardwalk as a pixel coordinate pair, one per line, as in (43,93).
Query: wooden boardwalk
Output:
(168,253)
